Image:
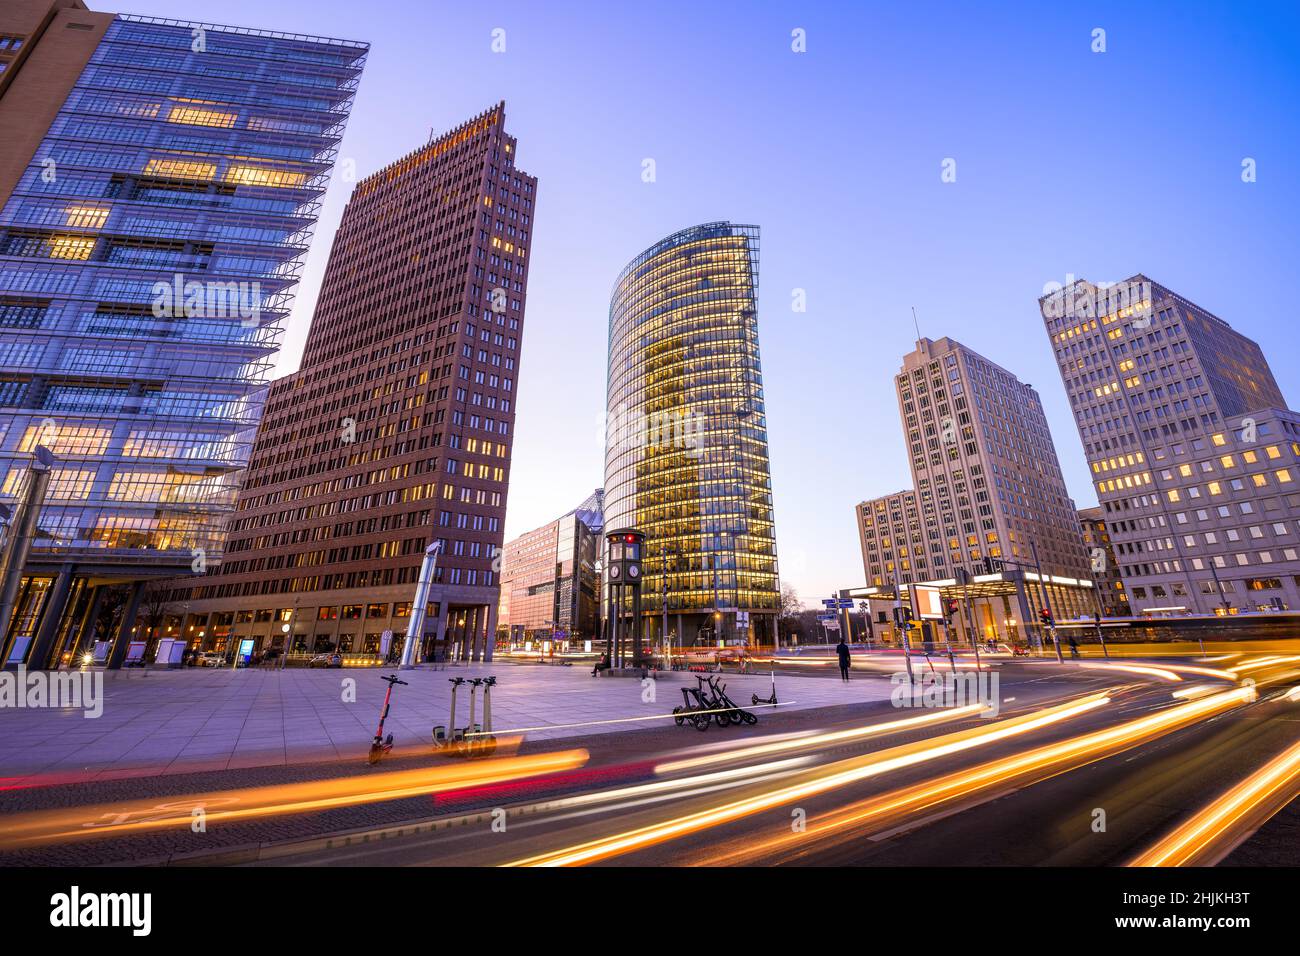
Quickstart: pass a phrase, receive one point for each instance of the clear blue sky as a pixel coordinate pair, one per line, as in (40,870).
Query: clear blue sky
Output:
(1068,162)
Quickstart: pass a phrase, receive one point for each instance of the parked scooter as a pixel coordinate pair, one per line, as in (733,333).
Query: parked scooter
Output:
(487,745)
(756,700)
(447,736)
(381,744)
(467,743)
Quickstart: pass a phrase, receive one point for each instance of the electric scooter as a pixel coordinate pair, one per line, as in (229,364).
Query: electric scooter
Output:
(732,709)
(487,745)
(445,737)
(466,744)
(756,700)
(381,744)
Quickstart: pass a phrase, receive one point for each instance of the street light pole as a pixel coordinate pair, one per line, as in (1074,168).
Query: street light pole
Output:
(289,629)
(898,622)
(1047,602)
(663,560)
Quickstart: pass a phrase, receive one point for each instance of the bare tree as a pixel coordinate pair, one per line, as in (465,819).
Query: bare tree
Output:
(791,608)
(155,608)
(110,611)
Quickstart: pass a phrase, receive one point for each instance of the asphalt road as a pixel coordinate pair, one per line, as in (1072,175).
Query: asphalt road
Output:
(1080,766)
(1087,810)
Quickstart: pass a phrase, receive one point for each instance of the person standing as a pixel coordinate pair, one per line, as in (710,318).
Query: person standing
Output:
(842,650)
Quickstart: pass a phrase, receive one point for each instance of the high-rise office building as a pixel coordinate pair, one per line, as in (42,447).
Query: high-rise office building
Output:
(1111,597)
(1194,454)
(686,459)
(891,533)
(550,588)
(982,456)
(989,511)
(398,427)
(160,182)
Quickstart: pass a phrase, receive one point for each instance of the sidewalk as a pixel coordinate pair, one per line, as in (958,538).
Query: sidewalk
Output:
(185,721)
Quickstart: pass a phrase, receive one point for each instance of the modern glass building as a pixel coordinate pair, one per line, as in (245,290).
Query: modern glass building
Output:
(550,589)
(686,459)
(148,252)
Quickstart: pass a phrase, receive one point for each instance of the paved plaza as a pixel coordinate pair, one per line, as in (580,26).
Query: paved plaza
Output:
(182,721)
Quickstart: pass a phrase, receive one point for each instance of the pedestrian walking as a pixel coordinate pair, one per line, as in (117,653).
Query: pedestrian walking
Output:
(842,650)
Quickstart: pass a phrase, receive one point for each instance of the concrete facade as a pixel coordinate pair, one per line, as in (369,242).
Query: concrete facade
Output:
(1194,453)
(399,425)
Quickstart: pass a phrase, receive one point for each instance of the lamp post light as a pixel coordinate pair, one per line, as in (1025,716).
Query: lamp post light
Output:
(287,628)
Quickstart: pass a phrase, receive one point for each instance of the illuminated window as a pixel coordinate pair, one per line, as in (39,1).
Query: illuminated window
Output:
(86,217)
(1283,475)
(264,176)
(1218,439)
(180,169)
(71,247)
(198,115)
(66,439)
(1227,461)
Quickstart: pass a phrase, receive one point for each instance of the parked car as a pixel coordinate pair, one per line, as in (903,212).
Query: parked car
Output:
(326,660)
(212,659)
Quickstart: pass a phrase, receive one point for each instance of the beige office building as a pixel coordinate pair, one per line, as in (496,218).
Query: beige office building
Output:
(1194,454)
(990,504)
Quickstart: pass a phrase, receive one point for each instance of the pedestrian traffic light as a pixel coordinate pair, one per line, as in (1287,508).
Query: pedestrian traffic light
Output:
(951,607)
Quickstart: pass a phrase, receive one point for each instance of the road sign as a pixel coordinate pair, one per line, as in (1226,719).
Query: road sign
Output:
(838,602)
(827,617)
(832,625)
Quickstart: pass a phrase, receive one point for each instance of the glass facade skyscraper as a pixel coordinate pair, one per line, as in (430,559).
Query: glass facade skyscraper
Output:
(686,459)
(148,254)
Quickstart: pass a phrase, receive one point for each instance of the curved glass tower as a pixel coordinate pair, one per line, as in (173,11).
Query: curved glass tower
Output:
(686,459)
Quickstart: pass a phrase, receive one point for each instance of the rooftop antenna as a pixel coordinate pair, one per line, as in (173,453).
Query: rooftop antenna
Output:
(916,324)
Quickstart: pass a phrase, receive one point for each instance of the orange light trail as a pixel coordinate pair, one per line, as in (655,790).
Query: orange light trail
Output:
(1006,773)
(834,776)
(229,806)
(829,738)
(1214,831)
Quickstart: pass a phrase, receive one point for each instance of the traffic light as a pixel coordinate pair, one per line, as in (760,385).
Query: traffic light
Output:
(903,617)
(950,607)
(1046,617)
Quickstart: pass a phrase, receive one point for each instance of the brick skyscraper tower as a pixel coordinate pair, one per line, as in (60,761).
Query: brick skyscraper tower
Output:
(397,429)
